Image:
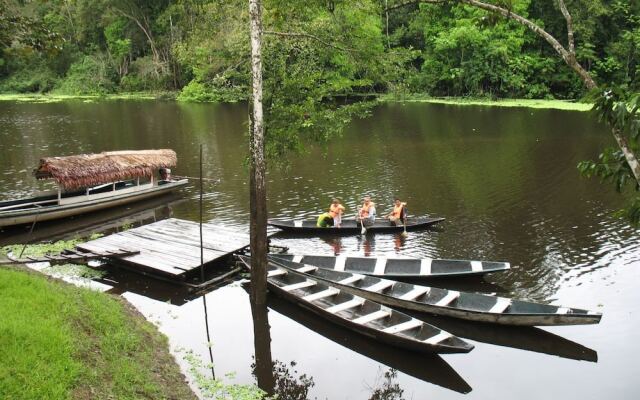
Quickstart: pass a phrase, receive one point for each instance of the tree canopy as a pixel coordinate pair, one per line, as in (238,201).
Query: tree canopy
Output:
(199,47)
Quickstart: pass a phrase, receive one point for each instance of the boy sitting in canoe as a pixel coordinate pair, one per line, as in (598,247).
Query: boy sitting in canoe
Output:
(325,220)
(398,214)
(367,213)
(336,210)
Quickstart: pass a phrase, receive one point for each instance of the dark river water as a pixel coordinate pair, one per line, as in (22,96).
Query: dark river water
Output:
(505,179)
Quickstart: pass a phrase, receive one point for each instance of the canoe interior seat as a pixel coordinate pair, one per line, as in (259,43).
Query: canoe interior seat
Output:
(448,299)
(299,285)
(276,272)
(376,315)
(405,326)
(415,293)
(380,286)
(437,338)
(321,294)
(346,305)
(501,305)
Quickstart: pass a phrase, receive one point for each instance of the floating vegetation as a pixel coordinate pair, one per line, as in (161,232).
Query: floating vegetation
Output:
(41,249)
(217,389)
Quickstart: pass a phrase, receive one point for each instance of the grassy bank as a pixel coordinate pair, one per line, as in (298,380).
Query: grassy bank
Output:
(528,103)
(58,341)
(411,98)
(55,98)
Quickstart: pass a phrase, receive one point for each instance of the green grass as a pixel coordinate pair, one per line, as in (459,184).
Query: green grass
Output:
(528,103)
(58,341)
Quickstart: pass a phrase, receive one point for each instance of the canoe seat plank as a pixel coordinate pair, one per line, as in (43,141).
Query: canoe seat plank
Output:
(372,317)
(415,293)
(351,279)
(501,305)
(299,285)
(321,295)
(435,339)
(380,286)
(345,306)
(405,326)
(276,272)
(448,299)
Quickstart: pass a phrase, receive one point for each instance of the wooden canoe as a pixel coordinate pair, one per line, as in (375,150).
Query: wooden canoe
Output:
(351,226)
(49,207)
(359,314)
(451,303)
(409,268)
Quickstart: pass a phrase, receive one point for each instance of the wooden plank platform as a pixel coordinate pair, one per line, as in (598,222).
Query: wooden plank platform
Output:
(171,246)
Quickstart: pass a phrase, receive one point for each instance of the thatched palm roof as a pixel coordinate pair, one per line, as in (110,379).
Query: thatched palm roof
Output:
(86,170)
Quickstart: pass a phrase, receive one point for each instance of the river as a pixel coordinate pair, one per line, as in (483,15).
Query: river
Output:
(505,180)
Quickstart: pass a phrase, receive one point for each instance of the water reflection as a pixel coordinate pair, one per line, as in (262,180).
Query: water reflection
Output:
(388,390)
(263,365)
(523,338)
(426,367)
(334,242)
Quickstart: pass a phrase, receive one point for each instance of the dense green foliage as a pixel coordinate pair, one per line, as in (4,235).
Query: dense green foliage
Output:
(61,342)
(200,48)
(622,114)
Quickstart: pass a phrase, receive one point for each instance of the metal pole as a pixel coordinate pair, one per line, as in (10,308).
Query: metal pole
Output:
(204,296)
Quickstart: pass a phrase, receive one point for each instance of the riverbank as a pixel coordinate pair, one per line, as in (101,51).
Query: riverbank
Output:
(384,98)
(56,98)
(462,101)
(61,341)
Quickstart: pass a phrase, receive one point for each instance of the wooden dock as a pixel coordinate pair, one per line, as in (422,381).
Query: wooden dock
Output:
(170,247)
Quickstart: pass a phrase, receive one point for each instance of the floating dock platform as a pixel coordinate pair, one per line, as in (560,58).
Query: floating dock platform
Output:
(171,247)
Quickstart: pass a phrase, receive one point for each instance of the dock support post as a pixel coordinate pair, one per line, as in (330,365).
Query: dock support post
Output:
(258,191)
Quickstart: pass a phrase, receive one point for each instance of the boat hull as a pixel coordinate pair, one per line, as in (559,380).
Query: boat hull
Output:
(360,315)
(21,217)
(461,305)
(351,226)
(405,268)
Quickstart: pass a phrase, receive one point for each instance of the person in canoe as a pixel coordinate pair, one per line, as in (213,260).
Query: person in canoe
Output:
(325,220)
(336,210)
(367,213)
(398,214)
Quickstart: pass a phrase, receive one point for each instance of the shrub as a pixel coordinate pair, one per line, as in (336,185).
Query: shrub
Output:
(89,75)
(38,79)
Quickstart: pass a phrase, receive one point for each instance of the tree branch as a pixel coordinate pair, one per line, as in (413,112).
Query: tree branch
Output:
(567,16)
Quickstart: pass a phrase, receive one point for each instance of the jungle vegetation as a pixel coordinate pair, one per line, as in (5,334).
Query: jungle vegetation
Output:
(199,49)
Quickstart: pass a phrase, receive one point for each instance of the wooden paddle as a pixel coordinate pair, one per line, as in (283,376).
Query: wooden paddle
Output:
(358,217)
(404,223)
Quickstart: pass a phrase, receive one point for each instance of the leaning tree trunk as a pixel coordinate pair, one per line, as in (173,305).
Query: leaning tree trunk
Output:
(258,191)
(568,56)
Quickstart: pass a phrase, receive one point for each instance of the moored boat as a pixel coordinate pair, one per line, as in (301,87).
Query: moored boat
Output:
(93,182)
(450,303)
(351,226)
(409,268)
(359,314)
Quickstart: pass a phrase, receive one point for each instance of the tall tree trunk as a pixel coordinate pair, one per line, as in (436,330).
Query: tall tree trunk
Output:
(258,191)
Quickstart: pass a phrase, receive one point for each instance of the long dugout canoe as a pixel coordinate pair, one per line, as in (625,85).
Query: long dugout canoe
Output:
(359,314)
(351,226)
(399,267)
(450,303)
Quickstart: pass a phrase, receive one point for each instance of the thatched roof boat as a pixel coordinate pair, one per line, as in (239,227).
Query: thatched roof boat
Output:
(91,182)
(84,170)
